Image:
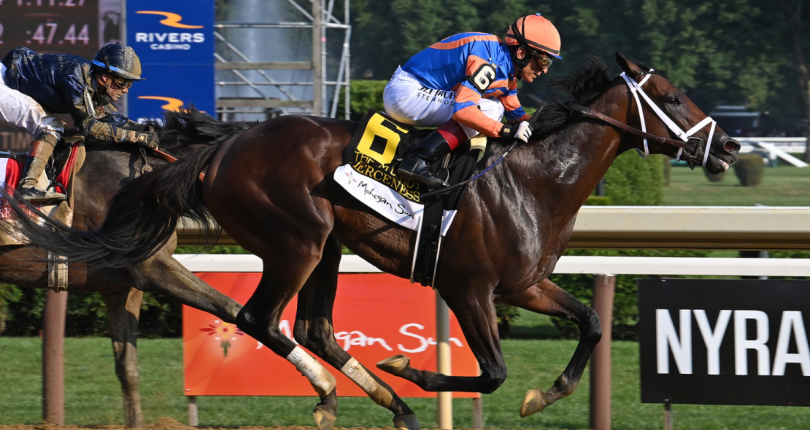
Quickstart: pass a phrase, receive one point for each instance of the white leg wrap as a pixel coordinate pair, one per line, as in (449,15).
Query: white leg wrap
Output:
(360,376)
(322,381)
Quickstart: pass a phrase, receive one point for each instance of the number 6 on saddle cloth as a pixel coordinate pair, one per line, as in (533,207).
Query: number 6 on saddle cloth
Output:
(369,174)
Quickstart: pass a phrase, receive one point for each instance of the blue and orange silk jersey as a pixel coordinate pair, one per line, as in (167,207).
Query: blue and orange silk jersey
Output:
(448,65)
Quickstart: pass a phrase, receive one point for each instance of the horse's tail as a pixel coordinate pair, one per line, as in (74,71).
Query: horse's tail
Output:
(141,217)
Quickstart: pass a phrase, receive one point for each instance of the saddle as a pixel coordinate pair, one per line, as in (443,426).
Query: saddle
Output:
(369,174)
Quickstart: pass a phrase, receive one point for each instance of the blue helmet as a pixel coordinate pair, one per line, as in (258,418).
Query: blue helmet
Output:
(119,60)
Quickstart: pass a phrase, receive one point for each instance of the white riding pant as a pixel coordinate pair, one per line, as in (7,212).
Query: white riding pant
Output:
(408,101)
(22,111)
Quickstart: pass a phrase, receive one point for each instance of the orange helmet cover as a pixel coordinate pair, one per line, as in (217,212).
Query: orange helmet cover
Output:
(538,32)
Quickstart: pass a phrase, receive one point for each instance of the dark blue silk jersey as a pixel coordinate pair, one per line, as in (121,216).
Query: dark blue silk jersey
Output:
(63,83)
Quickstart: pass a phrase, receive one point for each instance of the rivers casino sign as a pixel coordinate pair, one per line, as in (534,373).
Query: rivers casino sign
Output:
(724,342)
(175,42)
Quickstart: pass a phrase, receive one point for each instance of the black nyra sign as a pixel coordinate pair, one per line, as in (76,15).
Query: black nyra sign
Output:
(724,342)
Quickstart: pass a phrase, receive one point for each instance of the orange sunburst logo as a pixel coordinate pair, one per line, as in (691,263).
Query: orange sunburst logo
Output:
(224,333)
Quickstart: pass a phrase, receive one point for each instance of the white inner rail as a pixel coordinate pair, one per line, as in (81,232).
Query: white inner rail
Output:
(568,264)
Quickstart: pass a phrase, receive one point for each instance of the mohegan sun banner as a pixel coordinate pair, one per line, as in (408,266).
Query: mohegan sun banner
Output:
(376,316)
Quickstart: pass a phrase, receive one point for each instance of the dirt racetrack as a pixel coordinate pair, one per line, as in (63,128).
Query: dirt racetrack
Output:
(169,424)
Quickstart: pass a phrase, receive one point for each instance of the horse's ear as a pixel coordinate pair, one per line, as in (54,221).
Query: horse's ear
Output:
(628,66)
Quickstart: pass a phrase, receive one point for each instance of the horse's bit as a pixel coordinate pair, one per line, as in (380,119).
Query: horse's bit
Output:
(146,168)
(685,136)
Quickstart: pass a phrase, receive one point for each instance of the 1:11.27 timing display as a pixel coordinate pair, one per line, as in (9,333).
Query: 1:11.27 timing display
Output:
(48,26)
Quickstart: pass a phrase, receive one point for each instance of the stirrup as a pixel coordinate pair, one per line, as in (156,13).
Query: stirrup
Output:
(36,195)
(416,169)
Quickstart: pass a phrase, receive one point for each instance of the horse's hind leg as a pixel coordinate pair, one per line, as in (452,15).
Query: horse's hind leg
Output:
(314,331)
(545,297)
(123,310)
(476,315)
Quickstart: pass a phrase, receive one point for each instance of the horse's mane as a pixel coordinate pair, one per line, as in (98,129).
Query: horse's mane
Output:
(189,126)
(586,81)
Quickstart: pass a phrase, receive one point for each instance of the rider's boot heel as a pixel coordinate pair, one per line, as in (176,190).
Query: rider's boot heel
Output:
(416,165)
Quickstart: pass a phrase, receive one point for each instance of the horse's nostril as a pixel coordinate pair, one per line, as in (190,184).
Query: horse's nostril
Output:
(731,146)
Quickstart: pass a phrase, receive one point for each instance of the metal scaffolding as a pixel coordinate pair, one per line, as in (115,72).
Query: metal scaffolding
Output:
(319,20)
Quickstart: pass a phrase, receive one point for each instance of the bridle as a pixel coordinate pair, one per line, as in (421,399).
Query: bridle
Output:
(684,146)
(164,156)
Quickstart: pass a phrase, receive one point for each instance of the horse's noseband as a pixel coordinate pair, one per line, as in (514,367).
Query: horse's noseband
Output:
(685,136)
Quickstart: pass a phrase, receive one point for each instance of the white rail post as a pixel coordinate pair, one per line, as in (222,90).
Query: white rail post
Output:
(444,400)
(604,287)
(193,412)
(53,358)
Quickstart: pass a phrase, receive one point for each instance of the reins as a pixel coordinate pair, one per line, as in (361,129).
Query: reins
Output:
(171,159)
(632,130)
(462,183)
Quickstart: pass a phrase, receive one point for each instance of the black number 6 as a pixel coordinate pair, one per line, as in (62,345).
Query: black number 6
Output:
(483,77)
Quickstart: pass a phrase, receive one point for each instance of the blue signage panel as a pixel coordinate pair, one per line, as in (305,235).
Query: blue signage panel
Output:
(175,42)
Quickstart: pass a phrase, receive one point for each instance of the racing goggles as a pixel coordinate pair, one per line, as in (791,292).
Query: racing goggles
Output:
(122,83)
(543,59)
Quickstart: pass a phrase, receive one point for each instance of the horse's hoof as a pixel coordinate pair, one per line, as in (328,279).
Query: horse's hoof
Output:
(405,422)
(395,365)
(323,418)
(532,403)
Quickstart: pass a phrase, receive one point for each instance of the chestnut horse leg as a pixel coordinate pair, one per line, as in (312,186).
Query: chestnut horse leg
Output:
(547,298)
(479,323)
(314,331)
(123,310)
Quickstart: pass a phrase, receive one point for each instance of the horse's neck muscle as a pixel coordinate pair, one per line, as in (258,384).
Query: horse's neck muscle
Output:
(568,162)
(535,196)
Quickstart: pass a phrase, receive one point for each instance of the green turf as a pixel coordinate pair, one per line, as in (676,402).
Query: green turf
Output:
(781,186)
(93,397)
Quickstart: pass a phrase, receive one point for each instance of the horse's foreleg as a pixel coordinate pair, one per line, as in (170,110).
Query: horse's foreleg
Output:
(314,331)
(545,297)
(285,272)
(478,321)
(123,310)
(162,274)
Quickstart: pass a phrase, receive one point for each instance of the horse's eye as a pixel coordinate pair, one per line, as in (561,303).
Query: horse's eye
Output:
(673,100)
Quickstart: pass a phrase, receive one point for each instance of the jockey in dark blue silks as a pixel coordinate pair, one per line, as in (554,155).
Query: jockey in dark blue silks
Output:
(34,86)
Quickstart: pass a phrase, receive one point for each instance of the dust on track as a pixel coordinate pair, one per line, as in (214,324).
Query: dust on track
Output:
(172,424)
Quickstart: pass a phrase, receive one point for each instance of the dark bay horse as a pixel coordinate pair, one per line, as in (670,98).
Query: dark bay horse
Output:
(272,189)
(106,169)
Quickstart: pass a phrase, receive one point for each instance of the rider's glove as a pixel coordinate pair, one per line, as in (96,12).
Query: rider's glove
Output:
(147,139)
(522,131)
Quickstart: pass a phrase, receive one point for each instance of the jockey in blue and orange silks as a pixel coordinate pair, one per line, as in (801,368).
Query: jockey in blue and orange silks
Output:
(464,85)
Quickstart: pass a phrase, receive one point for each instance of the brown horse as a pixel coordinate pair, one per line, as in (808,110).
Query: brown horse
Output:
(272,189)
(106,169)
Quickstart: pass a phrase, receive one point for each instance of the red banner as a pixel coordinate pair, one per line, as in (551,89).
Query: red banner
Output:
(376,316)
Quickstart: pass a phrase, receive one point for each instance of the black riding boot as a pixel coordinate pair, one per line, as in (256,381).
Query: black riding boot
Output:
(415,165)
(38,156)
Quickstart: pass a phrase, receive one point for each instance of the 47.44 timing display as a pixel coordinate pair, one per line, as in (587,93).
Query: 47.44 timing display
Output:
(47,26)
